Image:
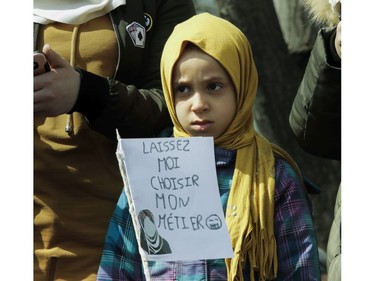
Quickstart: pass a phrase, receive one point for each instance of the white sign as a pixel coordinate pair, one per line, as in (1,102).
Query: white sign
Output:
(174,198)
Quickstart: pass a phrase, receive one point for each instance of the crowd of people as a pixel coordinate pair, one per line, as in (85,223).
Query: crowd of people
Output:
(150,69)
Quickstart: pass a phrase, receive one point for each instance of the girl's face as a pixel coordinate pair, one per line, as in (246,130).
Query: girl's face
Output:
(149,227)
(204,95)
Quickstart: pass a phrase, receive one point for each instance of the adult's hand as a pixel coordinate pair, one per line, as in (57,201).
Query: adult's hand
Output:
(56,91)
(338,39)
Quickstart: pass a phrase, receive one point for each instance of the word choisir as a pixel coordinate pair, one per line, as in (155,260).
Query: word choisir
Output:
(173,183)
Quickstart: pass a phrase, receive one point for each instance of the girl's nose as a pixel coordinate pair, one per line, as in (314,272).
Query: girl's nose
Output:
(199,103)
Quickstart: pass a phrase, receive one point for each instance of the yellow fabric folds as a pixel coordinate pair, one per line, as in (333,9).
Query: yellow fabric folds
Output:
(250,209)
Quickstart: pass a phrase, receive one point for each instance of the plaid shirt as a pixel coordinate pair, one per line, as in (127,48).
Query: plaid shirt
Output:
(293,228)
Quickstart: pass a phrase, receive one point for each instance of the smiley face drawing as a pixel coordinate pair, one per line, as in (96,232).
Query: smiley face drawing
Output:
(213,222)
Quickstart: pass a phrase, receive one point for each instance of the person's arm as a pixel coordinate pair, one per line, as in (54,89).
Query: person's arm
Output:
(120,258)
(138,109)
(296,244)
(315,117)
(135,105)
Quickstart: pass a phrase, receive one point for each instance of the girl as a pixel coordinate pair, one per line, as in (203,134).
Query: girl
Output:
(210,81)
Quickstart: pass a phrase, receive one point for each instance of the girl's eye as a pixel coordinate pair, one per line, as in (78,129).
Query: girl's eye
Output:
(181,89)
(214,87)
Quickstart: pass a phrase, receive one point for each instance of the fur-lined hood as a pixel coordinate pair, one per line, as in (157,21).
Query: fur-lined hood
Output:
(326,12)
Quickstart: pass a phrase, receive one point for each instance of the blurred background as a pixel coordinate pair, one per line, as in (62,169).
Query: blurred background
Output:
(282,34)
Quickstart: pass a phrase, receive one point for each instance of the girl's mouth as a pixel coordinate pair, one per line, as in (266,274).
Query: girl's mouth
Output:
(202,125)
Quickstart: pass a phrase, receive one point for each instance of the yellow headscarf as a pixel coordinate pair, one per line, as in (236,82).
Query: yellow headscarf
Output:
(250,208)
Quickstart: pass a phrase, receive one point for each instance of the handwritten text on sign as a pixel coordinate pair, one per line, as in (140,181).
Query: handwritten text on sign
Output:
(173,184)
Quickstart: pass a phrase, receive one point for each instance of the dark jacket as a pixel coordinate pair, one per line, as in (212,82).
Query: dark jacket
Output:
(315,117)
(132,101)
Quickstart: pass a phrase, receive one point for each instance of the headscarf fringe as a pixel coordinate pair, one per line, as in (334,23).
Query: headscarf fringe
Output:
(261,253)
